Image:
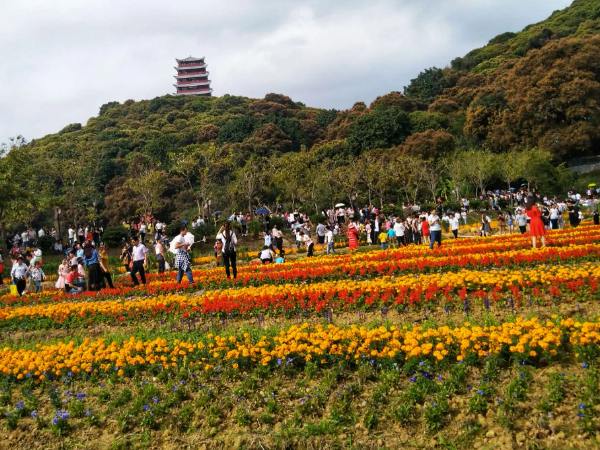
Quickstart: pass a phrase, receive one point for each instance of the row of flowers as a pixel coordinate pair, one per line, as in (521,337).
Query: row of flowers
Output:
(563,247)
(290,299)
(524,339)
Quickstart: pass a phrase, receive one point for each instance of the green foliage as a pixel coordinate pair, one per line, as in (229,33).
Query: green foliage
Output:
(325,117)
(383,128)
(422,121)
(115,236)
(104,108)
(237,129)
(45,243)
(427,86)
(70,128)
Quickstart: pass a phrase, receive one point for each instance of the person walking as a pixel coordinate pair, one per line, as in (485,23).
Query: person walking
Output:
(425,230)
(277,239)
(104,266)
(229,240)
(126,257)
(329,240)
(435,229)
(536,226)
(308,242)
(139,252)
(17,273)
(321,230)
(182,256)
(521,219)
(454,225)
(160,255)
(352,234)
(63,270)
(573,213)
(91,260)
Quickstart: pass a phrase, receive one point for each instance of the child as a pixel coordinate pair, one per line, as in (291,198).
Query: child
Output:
(392,238)
(37,274)
(383,239)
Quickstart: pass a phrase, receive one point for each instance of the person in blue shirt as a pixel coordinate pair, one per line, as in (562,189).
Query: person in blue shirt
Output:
(91,260)
(392,238)
(79,251)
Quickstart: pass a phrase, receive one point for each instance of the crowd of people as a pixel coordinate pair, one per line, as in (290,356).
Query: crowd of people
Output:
(86,263)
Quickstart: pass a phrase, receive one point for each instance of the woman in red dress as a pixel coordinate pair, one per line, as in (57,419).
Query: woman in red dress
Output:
(536,226)
(352,234)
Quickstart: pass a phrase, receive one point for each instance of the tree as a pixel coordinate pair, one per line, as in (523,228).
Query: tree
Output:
(106,107)
(534,163)
(187,165)
(427,86)
(383,128)
(250,180)
(15,171)
(479,166)
(147,184)
(509,167)
(430,144)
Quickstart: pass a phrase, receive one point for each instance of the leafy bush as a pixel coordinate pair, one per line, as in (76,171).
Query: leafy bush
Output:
(315,219)
(476,204)
(45,243)
(115,236)
(279,221)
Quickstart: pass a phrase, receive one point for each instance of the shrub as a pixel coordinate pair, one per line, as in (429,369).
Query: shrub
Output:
(115,236)
(45,243)
(315,219)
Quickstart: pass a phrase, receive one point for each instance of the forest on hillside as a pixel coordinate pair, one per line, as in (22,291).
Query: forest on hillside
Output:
(515,110)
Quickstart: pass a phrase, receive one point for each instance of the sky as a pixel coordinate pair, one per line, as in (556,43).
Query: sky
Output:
(61,60)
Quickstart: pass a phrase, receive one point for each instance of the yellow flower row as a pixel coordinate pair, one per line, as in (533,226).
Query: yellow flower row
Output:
(524,338)
(289,296)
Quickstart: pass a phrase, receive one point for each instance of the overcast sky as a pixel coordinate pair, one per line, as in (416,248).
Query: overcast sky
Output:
(62,59)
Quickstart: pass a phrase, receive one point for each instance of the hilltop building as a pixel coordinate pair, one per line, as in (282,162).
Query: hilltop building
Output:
(192,77)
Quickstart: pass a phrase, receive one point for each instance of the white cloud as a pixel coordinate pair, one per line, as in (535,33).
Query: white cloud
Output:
(62,60)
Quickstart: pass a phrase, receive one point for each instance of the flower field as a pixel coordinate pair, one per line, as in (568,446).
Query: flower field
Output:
(483,343)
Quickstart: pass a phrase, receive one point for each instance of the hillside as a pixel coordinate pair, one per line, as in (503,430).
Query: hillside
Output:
(539,88)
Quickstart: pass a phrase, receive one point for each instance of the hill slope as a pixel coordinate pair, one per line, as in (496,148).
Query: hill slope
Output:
(539,87)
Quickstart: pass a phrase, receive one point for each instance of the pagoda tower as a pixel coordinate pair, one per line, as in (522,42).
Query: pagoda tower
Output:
(192,77)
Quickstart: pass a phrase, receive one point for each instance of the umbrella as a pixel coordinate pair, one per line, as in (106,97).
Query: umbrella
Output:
(592,185)
(340,205)
(512,189)
(524,184)
(262,211)
(217,213)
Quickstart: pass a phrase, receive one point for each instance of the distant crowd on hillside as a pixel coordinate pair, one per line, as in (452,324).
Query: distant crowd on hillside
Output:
(86,260)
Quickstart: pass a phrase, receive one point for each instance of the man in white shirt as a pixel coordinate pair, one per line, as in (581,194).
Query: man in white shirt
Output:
(41,233)
(435,229)
(182,259)
(521,219)
(140,256)
(321,231)
(18,272)
(399,229)
(277,238)
(306,240)
(453,220)
(330,242)
(143,230)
